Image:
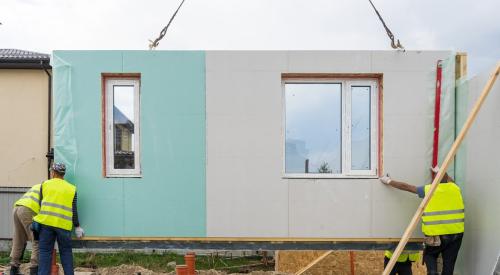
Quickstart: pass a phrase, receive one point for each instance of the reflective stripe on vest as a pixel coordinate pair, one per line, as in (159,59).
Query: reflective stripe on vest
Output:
(57,204)
(31,199)
(445,213)
(413,256)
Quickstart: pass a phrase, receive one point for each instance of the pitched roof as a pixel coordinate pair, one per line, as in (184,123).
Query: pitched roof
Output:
(10,58)
(15,54)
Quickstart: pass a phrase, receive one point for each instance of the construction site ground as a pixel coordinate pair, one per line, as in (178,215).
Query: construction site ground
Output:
(156,263)
(136,269)
(287,262)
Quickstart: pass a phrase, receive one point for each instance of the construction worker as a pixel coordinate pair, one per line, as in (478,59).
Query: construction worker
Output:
(442,221)
(403,265)
(24,210)
(58,214)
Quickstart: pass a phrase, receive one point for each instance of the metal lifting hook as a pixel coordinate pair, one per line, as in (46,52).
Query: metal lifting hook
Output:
(394,45)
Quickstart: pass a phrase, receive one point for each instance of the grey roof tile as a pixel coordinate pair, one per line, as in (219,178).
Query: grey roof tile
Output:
(14,54)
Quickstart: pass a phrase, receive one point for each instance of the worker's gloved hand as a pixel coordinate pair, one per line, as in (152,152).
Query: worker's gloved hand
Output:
(79,232)
(385,179)
(435,169)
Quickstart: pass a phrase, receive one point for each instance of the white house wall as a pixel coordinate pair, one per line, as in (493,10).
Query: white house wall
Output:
(247,195)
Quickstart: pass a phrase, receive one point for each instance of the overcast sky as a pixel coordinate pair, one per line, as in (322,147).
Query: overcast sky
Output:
(459,25)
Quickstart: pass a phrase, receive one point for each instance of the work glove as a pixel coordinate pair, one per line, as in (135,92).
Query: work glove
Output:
(79,232)
(435,169)
(385,179)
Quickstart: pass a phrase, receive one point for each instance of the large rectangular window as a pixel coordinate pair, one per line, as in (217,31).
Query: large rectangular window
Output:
(122,132)
(331,128)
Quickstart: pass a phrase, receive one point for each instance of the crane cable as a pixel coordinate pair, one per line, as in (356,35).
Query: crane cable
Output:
(394,45)
(154,44)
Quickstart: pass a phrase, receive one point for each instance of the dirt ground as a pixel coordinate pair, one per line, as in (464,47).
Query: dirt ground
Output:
(135,270)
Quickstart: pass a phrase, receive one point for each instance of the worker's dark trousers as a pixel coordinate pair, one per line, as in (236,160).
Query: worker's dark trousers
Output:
(400,268)
(48,236)
(450,244)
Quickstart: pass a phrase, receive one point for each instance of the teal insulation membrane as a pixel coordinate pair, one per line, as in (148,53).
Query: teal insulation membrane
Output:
(461,105)
(169,198)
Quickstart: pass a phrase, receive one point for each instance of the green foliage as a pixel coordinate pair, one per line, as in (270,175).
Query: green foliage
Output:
(324,168)
(4,258)
(154,261)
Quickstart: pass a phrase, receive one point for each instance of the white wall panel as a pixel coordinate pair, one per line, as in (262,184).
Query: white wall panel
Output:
(246,193)
(481,245)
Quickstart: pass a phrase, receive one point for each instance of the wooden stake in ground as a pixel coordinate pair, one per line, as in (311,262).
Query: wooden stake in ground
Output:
(472,116)
(313,263)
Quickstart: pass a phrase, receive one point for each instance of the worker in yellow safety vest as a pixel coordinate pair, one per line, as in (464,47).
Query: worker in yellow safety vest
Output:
(442,221)
(403,265)
(58,214)
(24,210)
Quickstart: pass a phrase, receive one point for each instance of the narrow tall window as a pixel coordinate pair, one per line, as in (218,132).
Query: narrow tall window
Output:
(122,127)
(330,128)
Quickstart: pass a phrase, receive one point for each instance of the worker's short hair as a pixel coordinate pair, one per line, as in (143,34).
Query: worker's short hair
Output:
(58,168)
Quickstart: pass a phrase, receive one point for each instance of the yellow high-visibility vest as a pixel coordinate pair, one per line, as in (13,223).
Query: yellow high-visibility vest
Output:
(445,213)
(57,204)
(31,199)
(413,256)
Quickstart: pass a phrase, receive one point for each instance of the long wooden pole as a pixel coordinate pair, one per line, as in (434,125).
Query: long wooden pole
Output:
(472,116)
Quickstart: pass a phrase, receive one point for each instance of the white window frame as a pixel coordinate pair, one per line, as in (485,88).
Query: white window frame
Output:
(109,130)
(346,85)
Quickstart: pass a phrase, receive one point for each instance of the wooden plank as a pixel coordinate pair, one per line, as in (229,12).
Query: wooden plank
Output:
(468,123)
(313,263)
(460,65)
(247,239)
(322,76)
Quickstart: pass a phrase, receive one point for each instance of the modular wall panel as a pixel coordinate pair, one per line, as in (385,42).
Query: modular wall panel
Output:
(245,147)
(169,197)
(481,245)
(245,196)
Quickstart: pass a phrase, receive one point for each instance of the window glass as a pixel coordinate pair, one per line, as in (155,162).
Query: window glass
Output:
(123,127)
(360,128)
(313,134)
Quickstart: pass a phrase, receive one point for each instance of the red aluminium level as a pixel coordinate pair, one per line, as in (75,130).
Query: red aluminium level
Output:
(437,112)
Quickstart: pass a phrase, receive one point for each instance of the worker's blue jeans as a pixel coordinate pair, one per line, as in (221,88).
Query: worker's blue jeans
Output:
(450,245)
(48,236)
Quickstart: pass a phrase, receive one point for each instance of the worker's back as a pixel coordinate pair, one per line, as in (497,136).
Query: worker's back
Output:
(57,204)
(445,212)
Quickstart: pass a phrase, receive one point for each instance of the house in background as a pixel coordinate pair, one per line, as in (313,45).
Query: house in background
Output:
(25,82)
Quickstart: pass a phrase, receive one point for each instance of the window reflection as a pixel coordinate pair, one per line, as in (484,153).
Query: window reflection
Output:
(123,127)
(313,128)
(360,128)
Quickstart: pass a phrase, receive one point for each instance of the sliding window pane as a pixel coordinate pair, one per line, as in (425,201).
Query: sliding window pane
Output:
(313,128)
(360,128)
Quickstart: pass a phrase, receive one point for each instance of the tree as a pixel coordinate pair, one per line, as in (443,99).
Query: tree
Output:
(324,168)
